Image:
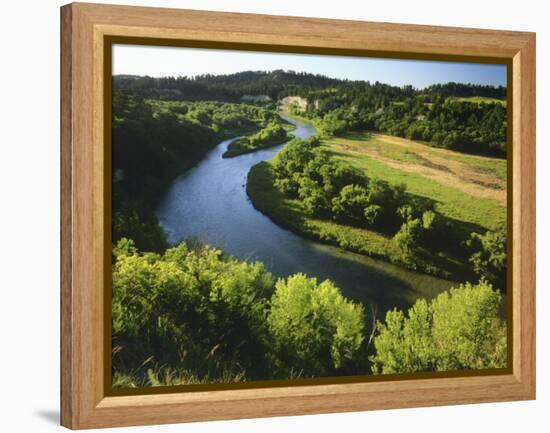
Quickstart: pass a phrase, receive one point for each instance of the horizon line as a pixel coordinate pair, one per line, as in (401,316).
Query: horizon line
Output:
(349,80)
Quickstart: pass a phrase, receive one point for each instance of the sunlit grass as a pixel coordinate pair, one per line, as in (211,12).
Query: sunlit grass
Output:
(357,150)
(481,100)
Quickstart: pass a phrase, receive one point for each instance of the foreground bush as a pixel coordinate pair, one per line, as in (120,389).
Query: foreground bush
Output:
(195,315)
(191,309)
(460,329)
(315,330)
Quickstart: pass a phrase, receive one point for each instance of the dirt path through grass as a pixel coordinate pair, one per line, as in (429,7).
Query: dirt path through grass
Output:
(475,175)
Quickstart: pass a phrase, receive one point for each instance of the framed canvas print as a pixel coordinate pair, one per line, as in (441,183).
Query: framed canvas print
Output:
(267,215)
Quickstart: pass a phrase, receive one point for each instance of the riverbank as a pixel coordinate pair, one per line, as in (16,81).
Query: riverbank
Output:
(468,204)
(290,214)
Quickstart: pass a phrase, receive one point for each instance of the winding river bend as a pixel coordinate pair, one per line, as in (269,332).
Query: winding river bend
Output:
(209,202)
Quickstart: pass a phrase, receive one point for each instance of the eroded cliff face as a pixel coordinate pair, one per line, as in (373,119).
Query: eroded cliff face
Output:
(298,101)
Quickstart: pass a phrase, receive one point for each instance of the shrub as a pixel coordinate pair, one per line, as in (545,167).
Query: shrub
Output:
(189,308)
(489,257)
(315,330)
(460,329)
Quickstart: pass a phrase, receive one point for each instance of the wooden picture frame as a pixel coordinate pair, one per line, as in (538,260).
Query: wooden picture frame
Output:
(85,32)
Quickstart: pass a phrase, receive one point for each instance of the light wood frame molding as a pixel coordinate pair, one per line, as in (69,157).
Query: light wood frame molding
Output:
(84,403)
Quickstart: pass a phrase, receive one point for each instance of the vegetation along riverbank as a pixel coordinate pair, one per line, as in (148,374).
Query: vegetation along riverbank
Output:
(417,206)
(414,176)
(196,315)
(272,135)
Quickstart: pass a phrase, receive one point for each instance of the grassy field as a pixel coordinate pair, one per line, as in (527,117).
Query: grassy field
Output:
(482,100)
(466,188)
(468,191)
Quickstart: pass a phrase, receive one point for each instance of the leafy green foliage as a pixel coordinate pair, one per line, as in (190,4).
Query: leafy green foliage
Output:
(334,189)
(489,257)
(446,122)
(148,234)
(202,314)
(271,135)
(460,329)
(421,227)
(408,236)
(314,328)
(195,315)
(330,189)
(459,124)
(351,202)
(189,308)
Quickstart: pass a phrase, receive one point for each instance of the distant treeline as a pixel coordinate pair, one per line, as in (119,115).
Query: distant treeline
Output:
(440,114)
(465,90)
(278,84)
(470,127)
(459,125)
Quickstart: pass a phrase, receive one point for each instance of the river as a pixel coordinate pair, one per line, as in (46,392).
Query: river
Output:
(209,202)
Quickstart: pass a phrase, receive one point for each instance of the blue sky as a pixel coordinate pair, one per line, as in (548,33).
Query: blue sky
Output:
(168,61)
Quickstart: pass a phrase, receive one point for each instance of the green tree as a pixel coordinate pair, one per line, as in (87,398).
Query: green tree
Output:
(489,257)
(145,231)
(350,204)
(313,197)
(372,212)
(460,329)
(333,123)
(408,236)
(189,308)
(315,330)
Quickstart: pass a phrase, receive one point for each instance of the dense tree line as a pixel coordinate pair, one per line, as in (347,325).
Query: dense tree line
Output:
(154,141)
(443,122)
(279,83)
(231,87)
(466,90)
(196,315)
(434,114)
(331,189)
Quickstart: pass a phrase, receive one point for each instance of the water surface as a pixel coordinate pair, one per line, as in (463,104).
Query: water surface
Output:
(209,202)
